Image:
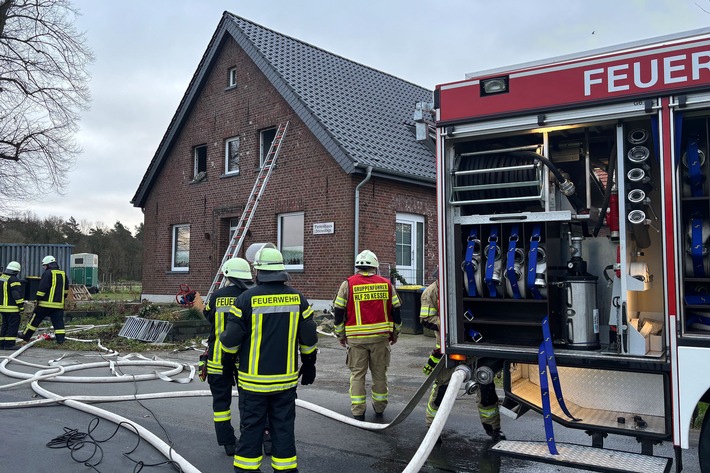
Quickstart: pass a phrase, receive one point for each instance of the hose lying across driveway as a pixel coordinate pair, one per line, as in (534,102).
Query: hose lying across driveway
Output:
(56,372)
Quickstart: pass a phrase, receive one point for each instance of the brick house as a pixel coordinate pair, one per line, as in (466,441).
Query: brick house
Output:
(350,149)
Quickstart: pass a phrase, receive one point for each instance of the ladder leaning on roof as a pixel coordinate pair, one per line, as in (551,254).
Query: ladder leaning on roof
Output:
(237,240)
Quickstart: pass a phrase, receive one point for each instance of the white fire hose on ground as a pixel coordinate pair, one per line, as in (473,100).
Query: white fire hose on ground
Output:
(58,373)
(461,374)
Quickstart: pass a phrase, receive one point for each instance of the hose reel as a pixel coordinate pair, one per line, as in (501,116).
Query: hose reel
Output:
(697,248)
(498,179)
(694,175)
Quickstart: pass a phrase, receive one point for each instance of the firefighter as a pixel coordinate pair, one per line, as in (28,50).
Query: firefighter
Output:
(367,322)
(12,305)
(51,294)
(266,329)
(239,277)
(486,396)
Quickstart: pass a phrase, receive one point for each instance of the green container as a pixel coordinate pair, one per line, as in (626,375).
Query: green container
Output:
(84,269)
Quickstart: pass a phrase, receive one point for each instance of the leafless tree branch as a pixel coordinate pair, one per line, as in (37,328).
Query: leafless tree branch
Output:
(43,88)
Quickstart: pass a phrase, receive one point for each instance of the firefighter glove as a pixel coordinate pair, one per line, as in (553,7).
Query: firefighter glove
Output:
(202,365)
(308,368)
(431,363)
(229,368)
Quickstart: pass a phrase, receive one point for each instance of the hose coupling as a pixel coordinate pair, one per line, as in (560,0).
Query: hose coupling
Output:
(471,387)
(467,372)
(567,187)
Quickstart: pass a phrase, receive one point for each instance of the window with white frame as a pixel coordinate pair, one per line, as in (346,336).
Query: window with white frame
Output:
(232,77)
(266,137)
(199,161)
(181,248)
(231,156)
(290,240)
(409,241)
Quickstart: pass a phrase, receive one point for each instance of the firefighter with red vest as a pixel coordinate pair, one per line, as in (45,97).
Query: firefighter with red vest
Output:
(266,329)
(221,379)
(12,305)
(486,397)
(52,293)
(367,322)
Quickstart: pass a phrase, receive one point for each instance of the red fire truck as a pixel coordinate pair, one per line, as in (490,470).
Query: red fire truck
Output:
(574,230)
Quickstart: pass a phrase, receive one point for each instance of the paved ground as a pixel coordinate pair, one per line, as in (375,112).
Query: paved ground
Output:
(324,445)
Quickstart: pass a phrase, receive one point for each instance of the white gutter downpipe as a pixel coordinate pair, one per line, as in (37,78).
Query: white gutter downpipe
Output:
(357,210)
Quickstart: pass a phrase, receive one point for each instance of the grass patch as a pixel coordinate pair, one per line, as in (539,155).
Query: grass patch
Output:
(109,326)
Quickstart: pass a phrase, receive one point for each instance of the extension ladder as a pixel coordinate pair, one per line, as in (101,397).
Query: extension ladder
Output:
(237,240)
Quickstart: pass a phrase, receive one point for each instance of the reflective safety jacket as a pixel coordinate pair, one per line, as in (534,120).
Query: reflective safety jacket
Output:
(216,312)
(53,288)
(369,301)
(11,298)
(429,309)
(267,328)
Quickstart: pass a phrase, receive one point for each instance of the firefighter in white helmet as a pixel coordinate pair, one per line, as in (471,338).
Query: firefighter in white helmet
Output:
(486,397)
(52,294)
(266,329)
(12,305)
(221,378)
(367,322)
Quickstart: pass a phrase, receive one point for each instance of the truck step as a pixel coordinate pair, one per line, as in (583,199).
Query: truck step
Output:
(584,457)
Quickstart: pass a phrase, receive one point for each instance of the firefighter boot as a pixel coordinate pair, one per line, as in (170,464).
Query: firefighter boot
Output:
(494,434)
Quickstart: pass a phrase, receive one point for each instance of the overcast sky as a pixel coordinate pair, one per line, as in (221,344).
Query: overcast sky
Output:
(147,51)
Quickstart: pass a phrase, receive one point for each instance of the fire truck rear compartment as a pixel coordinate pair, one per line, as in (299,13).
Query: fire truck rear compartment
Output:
(634,406)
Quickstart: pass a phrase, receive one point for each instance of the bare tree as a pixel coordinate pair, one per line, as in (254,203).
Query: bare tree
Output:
(43,89)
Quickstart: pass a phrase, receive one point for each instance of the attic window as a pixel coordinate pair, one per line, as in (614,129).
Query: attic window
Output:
(232,77)
(199,161)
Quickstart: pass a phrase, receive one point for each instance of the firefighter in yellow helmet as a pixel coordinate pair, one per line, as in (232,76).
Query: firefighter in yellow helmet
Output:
(221,378)
(267,328)
(51,296)
(486,397)
(367,322)
(12,305)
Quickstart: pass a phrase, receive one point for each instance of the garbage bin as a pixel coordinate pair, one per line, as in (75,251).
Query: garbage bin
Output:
(411,298)
(31,284)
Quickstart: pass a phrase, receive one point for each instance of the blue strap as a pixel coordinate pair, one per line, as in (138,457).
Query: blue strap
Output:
(532,261)
(697,299)
(475,335)
(545,395)
(546,360)
(678,133)
(490,261)
(696,246)
(656,139)
(552,364)
(697,319)
(695,174)
(510,266)
(468,262)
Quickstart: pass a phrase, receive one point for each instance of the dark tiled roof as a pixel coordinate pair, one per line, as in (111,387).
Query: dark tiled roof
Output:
(363,109)
(361,115)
